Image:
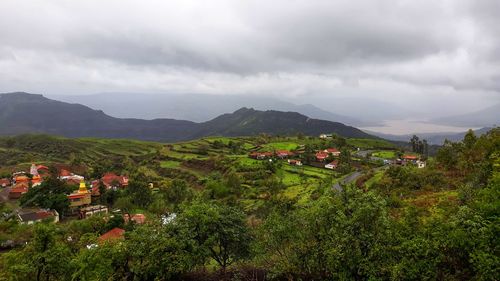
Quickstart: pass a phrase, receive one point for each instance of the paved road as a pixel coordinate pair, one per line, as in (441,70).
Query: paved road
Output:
(352,178)
(363,153)
(347,180)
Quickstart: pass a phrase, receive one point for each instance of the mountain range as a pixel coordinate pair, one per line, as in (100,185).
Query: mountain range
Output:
(196,107)
(29,113)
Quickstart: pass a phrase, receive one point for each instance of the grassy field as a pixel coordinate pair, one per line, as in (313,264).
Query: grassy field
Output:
(385,154)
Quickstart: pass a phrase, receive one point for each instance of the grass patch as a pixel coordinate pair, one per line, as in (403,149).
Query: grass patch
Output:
(385,154)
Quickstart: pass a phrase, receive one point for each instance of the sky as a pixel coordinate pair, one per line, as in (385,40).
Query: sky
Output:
(431,58)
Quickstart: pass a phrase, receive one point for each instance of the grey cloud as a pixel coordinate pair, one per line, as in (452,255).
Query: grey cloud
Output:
(296,48)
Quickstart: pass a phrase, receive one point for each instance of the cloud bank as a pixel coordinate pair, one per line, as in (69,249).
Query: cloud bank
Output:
(411,54)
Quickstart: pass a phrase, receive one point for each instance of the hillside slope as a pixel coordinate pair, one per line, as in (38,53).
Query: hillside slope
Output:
(27,113)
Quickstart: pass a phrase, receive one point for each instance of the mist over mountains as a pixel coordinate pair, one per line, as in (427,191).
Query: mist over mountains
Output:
(489,116)
(198,107)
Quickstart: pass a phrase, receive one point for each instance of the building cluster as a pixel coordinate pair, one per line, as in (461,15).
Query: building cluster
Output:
(320,156)
(80,199)
(409,159)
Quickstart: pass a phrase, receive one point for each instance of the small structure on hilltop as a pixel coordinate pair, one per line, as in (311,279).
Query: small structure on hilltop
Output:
(80,198)
(332,165)
(112,235)
(39,215)
(325,136)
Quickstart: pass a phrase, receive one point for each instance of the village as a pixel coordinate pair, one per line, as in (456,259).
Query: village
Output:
(81,201)
(84,203)
(329,157)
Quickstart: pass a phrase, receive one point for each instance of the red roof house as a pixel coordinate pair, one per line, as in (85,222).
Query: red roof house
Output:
(114,234)
(109,179)
(333,151)
(18,190)
(321,156)
(410,157)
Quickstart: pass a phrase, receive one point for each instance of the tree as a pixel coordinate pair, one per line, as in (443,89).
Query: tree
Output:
(51,194)
(346,237)
(44,258)
(470,139)
(177,192)
(220,231)
(161,252)
(139,192)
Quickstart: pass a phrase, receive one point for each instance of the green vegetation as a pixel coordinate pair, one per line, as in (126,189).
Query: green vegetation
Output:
(218,215)
(385,154)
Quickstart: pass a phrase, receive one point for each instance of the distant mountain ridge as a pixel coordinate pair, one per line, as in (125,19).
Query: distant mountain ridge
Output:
(432,138)
(487,117)
(196,107)
(28,113)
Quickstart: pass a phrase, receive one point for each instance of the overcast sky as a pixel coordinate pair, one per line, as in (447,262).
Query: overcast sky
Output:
(439,55)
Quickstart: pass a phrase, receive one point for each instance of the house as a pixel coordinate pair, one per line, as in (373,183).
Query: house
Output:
(110,181)
(18,190)
(113,235)
(332,151)
(294,162)
(420,164)
(89,211)
(321,156)
(283,153)
(325,136)
(137,218)
(4,182)
(69,177)
(332,165)
(34,216)
(21,178)
(79,198)
(409,157)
